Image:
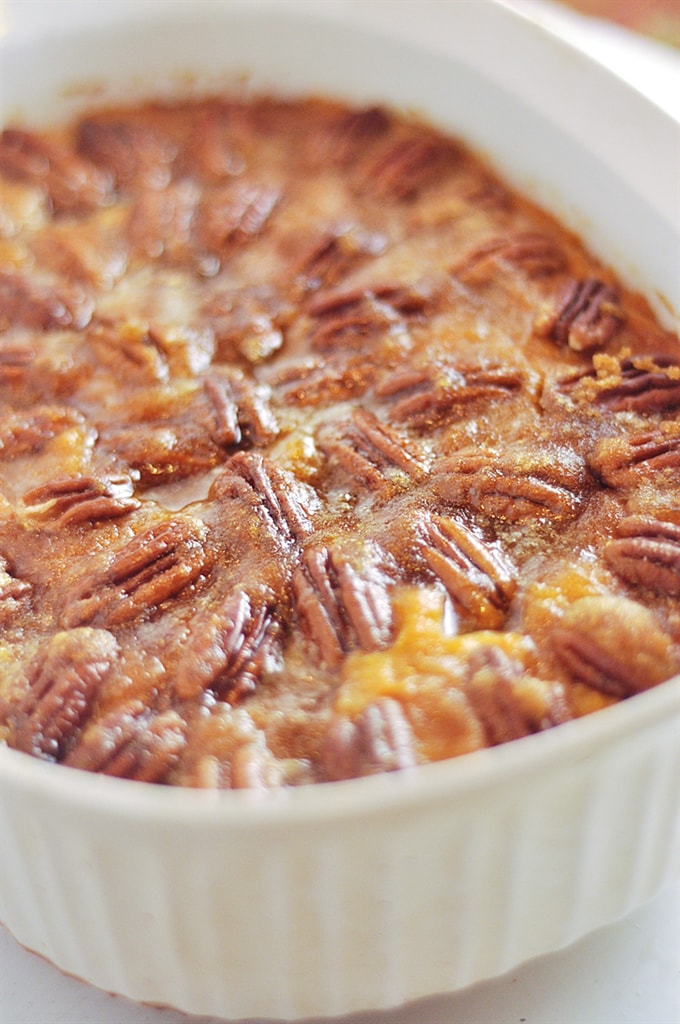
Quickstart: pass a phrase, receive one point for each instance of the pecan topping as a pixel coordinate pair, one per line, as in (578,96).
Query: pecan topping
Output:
(240,410)
(161,452)
(481,190)
(350,317)
(426,397)
(22,432)
(479,577)
(15,360)
(63,679)
(153,567)
(515,485)
(160,223)
(328,258)
(284,502)
(405,299)
(211,759)
(585,315)
(379,740)
(130,350)
(233,214)
(247,325)
(618,461)
(253,766)
(330,408)
(72,184)
(613,645)
(218,141)
(70,251)
(131,744)
(646,554)
(536,255)
(348,138)
(25,303)
(341,606)
(369,451)
(645,386)
(230,645)
(493,689)
(403,167)
(226,429)
(325,381)
(83,499)
(12,591)
(135,155)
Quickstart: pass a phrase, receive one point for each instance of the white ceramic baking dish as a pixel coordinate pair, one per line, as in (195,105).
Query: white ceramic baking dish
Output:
(370,893)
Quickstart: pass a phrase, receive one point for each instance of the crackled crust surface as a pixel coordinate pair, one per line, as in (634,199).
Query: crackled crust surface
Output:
(322,453)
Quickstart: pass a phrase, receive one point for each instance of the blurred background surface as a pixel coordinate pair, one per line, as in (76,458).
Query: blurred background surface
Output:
(658,19)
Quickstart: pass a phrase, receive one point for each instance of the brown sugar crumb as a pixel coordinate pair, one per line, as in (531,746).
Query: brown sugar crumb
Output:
(323,453)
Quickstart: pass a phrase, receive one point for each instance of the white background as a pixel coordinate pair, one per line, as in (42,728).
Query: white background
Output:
(629,972)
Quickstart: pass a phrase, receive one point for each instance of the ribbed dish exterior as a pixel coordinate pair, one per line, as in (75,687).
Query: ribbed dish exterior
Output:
(362,896)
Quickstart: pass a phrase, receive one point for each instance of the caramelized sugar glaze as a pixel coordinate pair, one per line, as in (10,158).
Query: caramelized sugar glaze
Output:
(322,452)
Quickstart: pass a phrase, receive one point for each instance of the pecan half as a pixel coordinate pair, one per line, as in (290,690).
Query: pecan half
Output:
(240,409)
(63,678)
(83,499)
(232,214)
(69,250)
(401,168)
(515,485)
(325,381)
(613,645)
(646,553)
(229,647)
(253,766)
(161,452)
(219,140)
(400,298)
(534,254)
(341,605)
(585,315)
(348,318)
(41,307)
(135,155)
(26,432)
(648,385)
(493,688)
(477,187)
(247,324)
(153,567)
(620,461)
(326,259)
(285,503)
(342,141)
(423,398)
(161,222)
(131,351)
(379,740)
(478,576)
(15,361)
(131,744)
(370,451)
(72,183)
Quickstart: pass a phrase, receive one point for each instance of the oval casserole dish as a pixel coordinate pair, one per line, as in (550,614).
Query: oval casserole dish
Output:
(364,894)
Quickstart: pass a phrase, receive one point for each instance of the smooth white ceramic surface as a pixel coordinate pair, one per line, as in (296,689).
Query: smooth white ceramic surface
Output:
(529,849)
